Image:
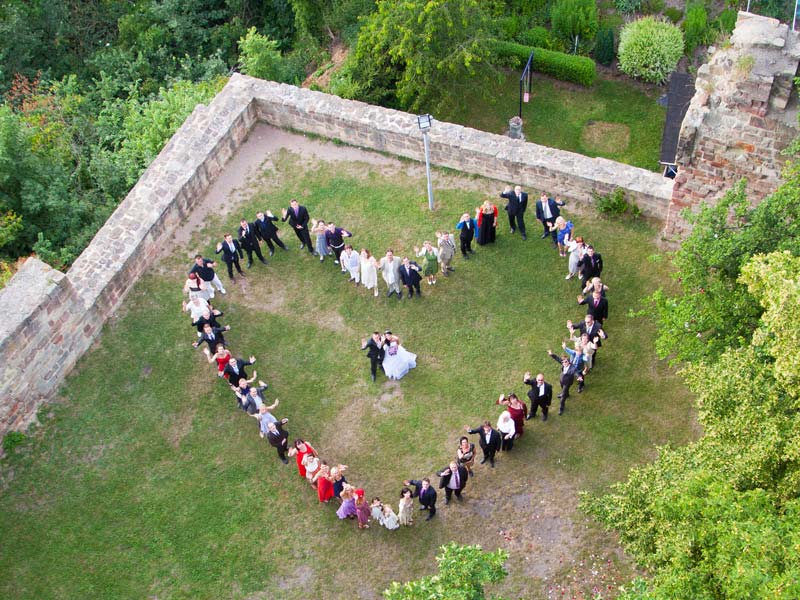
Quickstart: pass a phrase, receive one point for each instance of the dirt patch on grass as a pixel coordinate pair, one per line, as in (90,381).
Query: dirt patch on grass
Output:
(180,427)
(600,136)
(300,579)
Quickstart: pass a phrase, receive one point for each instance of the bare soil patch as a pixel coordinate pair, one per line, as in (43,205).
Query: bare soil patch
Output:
(600,136)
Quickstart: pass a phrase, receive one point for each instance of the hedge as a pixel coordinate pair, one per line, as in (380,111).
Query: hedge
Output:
(567,67)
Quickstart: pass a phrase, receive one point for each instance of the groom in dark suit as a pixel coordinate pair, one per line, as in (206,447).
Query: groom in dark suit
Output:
(298,219)
(409,275)
(516,206)
(375,352)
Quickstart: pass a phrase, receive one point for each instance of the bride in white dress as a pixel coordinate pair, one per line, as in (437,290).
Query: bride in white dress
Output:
(397,361)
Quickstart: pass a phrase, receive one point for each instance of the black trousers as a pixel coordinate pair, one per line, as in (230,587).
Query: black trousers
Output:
(304,237)
(274,238)
(431,508)
(507,444)
(536,403)
(251,251)
(374,362)
(566,382)
(281,452)
(411,288)
(338,251)
(488,454)
(230,267)
(448,493)
(546,224)
(466,245)
(517,222)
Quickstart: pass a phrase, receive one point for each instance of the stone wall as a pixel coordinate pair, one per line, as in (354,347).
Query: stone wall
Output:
(52,318)
(55,317)
(741,117)
(454,146)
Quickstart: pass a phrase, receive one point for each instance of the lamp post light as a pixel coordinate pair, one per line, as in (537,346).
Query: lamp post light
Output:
(425,122)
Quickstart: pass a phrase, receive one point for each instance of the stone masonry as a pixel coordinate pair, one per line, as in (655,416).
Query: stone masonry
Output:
(741,117)
(52,318)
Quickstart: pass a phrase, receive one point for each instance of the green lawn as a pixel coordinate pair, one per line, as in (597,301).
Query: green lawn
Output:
(146,481)
(612,119)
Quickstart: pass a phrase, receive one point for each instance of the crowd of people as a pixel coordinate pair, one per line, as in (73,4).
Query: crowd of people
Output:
(385,350)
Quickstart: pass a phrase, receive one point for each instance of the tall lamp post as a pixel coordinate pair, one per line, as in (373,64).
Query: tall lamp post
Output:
(424,122)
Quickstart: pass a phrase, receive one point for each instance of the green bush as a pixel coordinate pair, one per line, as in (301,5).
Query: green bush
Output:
(604,48)
(652,7)
(566,67)
(616,205)
(726,20)
(13,439)
(627,7)
(695,27)
(538,37)
(649,49)
(575,22)
(674,14)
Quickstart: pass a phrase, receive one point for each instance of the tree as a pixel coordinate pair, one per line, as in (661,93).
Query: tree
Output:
(425,52)
(719,518)
(604,50)
(650,49)
(463,572)
(259,56)
(714,309)
(574,20)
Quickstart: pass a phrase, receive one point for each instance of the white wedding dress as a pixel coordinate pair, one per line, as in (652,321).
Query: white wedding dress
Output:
(397,361)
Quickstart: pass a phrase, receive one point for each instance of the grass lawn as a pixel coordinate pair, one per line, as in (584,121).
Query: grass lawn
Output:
(147,481)
(613,119)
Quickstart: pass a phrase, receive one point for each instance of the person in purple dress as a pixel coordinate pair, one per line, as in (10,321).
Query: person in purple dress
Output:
(348,508)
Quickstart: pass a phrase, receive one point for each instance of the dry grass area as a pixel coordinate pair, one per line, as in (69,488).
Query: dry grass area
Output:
(602,137)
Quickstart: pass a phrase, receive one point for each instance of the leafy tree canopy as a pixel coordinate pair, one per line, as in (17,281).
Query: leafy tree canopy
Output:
(423,51)
(463,573)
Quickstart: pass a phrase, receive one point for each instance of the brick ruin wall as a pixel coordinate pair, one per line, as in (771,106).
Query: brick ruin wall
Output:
(52,318)
(742,116)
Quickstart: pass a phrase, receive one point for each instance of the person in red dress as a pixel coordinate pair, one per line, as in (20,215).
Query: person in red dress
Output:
(324,483)
(299,451)
(222,357)
(517,409)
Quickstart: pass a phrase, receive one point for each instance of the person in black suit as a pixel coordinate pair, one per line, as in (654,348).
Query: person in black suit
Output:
(515,207)
(248,239)
(540,395)
(591,265)
(278,438)
(409,275)
(298,219)
(466,226)
(231,253)
(375,352)
(453,479)
(490,441)
(212,336)
(593,330)
(566,378)
(426,494)
(267,231)
(235,370)
(597,306)
(547,210)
